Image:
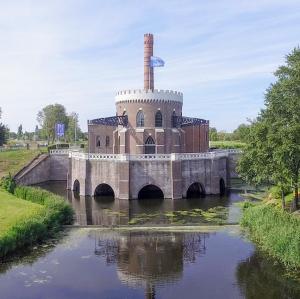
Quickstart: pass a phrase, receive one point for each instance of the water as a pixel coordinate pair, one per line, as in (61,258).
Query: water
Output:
(169,261)
(107,211)
(94,263)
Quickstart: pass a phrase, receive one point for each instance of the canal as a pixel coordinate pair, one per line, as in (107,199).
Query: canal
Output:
(188,256)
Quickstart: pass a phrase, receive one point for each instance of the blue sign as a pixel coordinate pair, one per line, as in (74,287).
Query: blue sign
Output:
(60,130)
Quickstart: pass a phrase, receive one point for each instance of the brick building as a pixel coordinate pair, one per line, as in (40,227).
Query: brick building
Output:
(148,121)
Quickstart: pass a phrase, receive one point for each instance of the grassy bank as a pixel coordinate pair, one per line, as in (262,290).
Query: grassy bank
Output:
(276,231)
(30,215)
(12,161)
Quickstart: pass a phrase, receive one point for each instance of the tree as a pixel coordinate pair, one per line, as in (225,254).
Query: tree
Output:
(242,132)
(213,134)
(20,132)
(272,154)
(4,131)
(73,128)
(48,117)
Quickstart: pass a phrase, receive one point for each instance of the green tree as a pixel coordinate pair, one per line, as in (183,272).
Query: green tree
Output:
(242,132)
(20,132)
(73,128)
(48,117)
(4,131)
(213,134)
(272,154)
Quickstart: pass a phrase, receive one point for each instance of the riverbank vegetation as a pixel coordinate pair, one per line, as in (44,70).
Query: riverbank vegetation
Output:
(30,215)
(275,230)
(271,157)
(272,153)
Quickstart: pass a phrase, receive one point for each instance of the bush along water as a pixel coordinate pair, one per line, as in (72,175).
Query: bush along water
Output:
(276,231)
(54,213)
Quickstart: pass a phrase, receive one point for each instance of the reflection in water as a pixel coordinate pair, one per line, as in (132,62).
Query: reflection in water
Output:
(93,263)
(148,259)
(107,211)
(259,277)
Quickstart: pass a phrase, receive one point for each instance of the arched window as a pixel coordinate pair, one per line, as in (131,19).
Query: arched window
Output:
(174,120)
(98,142)
(150,146)
(107,141)
(140,120)
(158,119)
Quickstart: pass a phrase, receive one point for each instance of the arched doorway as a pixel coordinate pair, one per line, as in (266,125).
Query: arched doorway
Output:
(150,191)
(104,190)
(222,187)
(76,187)
(150,146)
(196,190)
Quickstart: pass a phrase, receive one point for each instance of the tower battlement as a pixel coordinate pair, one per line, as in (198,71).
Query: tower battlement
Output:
(144,95)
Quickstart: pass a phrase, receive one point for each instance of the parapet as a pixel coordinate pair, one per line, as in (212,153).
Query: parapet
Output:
(137,95)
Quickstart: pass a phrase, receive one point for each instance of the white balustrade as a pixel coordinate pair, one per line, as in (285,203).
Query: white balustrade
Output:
(146,157)
(59,152)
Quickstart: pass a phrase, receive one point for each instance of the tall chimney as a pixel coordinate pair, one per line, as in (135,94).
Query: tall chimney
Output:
(148,52)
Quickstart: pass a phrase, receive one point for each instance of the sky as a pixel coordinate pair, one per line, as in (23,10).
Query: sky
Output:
(220,53)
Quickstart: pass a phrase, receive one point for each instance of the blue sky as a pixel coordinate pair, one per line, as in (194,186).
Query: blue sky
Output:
(220,54)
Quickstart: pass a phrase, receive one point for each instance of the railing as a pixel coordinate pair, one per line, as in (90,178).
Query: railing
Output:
(59,152)
(151,157)
(147,157)
(114,121)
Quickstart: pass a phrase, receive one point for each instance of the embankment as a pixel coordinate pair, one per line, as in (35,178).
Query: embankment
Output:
(276,231)
(30,215)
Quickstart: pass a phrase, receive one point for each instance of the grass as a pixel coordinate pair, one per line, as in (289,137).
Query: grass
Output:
(13,209)
(276,231)
(227,144)
(12,161)
(29,216)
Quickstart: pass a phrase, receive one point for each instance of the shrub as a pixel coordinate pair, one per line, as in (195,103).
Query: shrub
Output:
(275,191)
(8,184)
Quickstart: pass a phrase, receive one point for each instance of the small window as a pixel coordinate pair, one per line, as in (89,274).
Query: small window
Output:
(158,119)
(107,141)
(174,120)
(98,143)
(140,119)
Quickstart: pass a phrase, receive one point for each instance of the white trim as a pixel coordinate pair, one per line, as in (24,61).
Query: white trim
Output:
(148,95)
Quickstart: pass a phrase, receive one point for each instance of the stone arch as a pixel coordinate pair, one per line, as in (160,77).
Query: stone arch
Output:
(104,190)
(140,119)
(222,186)
(150,191)
(195,190)
(76,186)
